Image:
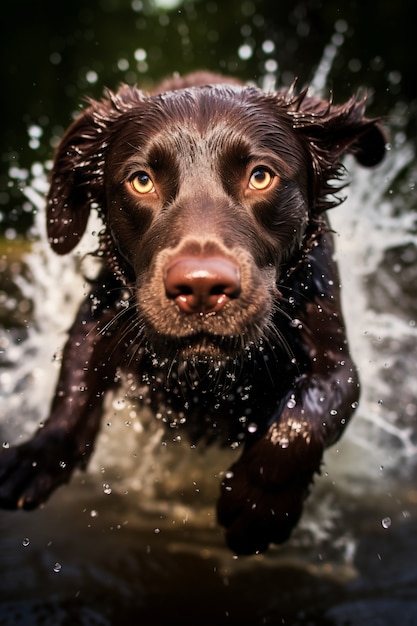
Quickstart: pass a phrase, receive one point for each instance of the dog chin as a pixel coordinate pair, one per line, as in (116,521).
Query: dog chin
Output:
(205,350)
(206,366)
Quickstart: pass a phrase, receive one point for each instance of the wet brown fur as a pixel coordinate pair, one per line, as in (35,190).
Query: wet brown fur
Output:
(270,370)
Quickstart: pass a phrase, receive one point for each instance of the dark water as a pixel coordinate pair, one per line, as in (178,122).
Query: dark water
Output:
(116,569)
(134,541)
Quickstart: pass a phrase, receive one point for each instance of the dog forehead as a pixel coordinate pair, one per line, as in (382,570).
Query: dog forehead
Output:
(214,118)
(216,107)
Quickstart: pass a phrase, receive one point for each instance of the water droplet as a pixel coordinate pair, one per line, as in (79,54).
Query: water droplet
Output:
(93,513)
(252,427)
(284,443)
(106,488)
(245,52)
(119,404)
(57,567)
(291,402)
(268,46)
(6,444)
(140,54)
(25,542)
(386,522)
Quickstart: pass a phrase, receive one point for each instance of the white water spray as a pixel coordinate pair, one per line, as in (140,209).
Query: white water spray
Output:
(382,433)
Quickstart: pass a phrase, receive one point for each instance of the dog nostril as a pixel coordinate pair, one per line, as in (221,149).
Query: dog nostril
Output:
(201,284)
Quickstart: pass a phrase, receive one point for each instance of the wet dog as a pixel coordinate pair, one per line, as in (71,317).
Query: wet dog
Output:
(218,291)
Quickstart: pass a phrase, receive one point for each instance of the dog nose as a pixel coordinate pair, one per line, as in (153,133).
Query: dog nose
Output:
(201,284)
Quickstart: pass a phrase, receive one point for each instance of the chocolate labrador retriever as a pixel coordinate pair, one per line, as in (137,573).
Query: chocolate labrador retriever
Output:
(218,291)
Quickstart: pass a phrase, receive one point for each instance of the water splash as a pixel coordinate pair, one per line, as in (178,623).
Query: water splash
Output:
(370,224)
(55,286)
(321,75)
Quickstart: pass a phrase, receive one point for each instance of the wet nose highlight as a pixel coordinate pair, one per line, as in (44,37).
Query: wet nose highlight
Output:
(202,284)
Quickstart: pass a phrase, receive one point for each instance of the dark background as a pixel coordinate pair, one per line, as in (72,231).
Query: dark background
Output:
(48,47)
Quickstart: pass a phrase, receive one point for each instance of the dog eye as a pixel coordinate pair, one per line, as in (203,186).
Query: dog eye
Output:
(260,179)
(142,183)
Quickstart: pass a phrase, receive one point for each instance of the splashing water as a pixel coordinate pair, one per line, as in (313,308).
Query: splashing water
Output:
(55,287)
(368,225)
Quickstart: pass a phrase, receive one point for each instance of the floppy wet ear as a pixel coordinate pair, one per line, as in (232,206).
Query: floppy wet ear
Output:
(77,177)
(369,149)
(338,129)
(331,131)
(72,185)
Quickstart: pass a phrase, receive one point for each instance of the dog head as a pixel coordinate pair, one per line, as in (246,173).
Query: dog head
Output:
(207,193)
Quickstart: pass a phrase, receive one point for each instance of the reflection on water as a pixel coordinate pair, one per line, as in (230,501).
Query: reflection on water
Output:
(135,539)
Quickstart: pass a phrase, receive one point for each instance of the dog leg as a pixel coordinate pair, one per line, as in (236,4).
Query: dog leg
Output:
(30,471)
(262,494)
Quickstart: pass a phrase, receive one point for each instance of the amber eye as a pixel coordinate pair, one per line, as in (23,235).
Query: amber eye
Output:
(142,183)
(260,179)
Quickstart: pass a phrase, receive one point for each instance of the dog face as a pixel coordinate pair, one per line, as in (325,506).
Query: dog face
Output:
(207,194)
(205,206)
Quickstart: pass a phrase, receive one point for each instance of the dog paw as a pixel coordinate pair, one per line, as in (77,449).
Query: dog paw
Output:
(31,471)
(256,515)
(263,493)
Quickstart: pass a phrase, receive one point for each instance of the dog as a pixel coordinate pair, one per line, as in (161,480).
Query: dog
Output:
(218,291)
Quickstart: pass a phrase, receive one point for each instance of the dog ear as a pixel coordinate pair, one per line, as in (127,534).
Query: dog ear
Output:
(77,177)
(339,128)
(330,132)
